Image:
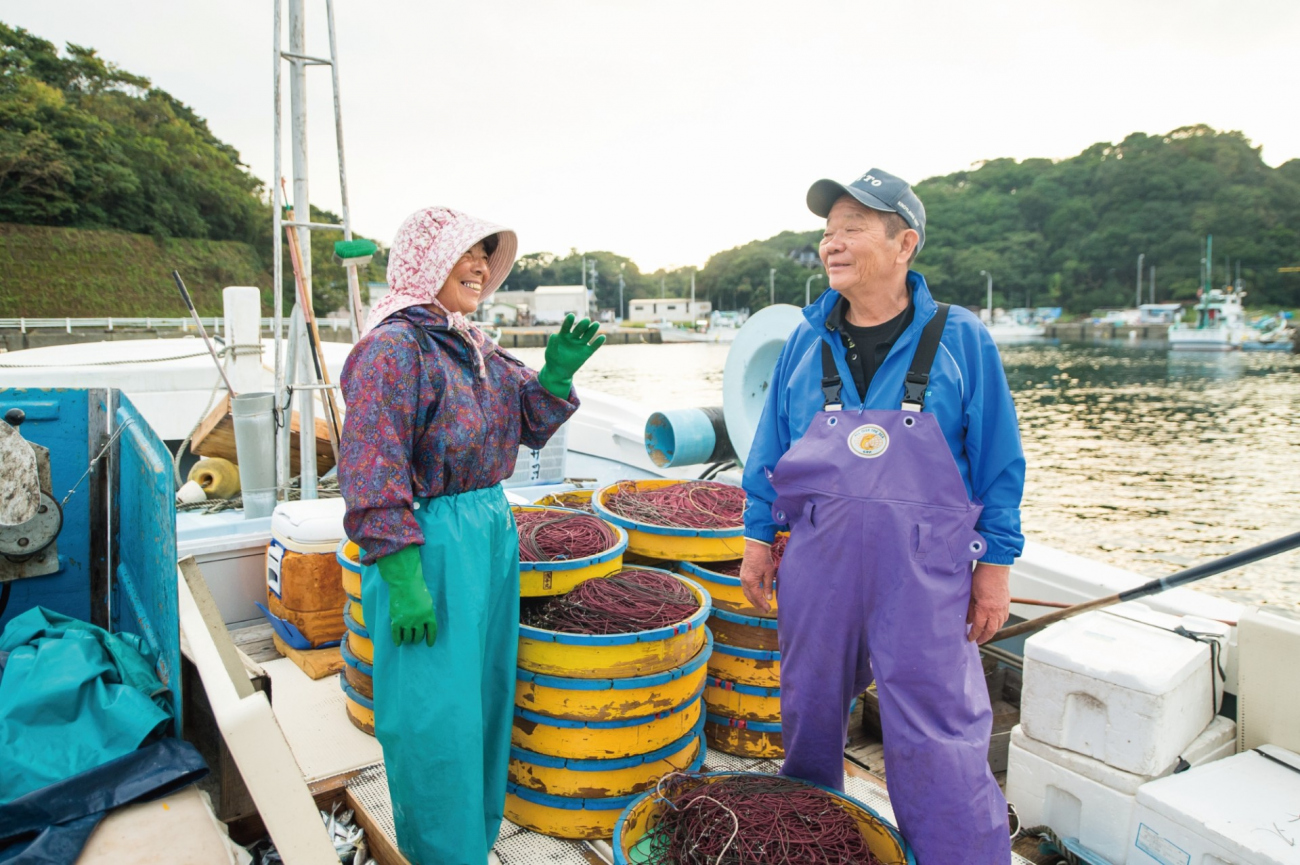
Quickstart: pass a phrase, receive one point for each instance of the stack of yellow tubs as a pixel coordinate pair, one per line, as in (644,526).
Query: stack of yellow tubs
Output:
(743,696)
(599,719)
(357,648)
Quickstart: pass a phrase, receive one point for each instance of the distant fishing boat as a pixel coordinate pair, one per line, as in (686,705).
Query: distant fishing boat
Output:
(1220,324)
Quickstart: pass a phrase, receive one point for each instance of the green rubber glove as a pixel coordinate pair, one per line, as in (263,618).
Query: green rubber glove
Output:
(566,351)
(410,607)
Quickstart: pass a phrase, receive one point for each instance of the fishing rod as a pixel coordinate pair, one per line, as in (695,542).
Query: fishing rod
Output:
(185,295)
(1180,578)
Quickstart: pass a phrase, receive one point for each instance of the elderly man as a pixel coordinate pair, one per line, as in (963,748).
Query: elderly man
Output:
(889,446)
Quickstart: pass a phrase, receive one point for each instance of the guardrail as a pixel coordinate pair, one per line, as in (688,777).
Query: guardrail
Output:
(214,324)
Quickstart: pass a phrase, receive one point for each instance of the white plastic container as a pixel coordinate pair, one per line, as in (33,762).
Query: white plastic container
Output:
(1079,797)
(1238,811)
(1128,693)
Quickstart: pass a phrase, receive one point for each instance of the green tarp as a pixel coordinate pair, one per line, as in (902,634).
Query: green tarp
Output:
(72,696)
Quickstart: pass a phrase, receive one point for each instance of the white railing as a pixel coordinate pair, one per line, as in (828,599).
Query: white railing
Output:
(213,324)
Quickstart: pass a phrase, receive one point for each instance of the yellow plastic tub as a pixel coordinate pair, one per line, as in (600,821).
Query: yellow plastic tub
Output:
(612,699)
(665,542)
(745,702)
(602,740)
(615,656)
(883,839)
(361,711)
(604,779)
(579,500)
(539,579)
(587,813)
(744,632)
(349,557)
(358,640)
(356,611)
(746,666)
(757,740)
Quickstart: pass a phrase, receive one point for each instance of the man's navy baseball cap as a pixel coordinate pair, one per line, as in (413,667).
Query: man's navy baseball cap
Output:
(876,189)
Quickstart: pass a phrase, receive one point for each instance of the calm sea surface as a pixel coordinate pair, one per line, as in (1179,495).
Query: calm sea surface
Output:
(1144,458)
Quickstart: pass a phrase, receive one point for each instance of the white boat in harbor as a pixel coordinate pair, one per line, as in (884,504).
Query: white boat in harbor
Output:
(1219,324)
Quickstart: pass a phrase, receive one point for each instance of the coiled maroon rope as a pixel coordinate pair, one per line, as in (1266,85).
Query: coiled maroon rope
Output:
(753,819)
(732,568)
(550,536)
(685,505)
(631,600)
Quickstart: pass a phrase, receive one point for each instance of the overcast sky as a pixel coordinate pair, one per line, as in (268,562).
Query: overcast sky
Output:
(669,130)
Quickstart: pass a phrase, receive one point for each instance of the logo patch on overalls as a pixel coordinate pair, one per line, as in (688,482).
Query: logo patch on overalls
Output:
(869,441)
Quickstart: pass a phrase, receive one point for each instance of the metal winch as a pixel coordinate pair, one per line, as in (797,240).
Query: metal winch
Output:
(30,516)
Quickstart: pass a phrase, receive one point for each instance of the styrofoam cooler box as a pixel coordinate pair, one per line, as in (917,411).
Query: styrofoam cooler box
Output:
(1129,693)
(1079,797)
(1238,811)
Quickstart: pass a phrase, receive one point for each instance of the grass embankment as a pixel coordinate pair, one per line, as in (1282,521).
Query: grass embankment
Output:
(57,272)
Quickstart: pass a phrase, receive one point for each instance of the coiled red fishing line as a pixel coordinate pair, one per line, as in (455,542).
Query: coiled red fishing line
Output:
(732,568)
(550,536)
(685,505)
(631,600)
(753,820)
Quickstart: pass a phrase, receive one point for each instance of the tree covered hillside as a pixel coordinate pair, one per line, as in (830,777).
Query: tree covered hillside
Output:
(84,144)
(1068,233)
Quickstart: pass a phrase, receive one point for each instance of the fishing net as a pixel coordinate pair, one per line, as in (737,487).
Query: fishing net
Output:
(685,505)
(748,820)
(551,536)
(628,601)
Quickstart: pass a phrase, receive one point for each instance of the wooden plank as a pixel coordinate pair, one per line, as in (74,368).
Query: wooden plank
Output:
(203,599)
(215,437)
(256,641)
(382,850)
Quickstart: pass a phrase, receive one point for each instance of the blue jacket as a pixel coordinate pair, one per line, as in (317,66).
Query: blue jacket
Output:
(968,393)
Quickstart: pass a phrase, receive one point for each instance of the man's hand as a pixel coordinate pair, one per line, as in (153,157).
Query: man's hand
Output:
(757,574)
(990,600)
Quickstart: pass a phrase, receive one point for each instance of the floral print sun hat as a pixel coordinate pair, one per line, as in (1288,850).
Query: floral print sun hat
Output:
(426,248)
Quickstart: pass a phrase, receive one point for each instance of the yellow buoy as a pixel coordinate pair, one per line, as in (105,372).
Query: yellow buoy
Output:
(218,477)
(539,579)
(611,699)
(615,656)
(746,666)
(665,542)
(590,740)
(642,816)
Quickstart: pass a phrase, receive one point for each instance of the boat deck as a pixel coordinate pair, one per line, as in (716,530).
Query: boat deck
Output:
(333,754)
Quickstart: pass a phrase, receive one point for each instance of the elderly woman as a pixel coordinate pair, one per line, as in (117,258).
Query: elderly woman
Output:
(436,415)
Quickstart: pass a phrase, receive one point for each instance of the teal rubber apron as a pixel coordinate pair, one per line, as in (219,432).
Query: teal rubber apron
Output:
(443,713)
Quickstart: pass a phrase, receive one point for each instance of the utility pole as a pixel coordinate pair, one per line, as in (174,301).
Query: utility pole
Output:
(662,279)
(622,312)
(690,310)
(1141,257)
(990,305)
(771,284)
(1153,283)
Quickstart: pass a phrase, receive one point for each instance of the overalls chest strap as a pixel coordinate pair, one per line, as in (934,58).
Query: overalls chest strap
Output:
(918,376)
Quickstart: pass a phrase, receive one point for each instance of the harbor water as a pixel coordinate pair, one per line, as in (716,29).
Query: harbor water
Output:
(1139,456)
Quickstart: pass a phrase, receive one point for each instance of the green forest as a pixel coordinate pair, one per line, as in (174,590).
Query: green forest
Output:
(87,145)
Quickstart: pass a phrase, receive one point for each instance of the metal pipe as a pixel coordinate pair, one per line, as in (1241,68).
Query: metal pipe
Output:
(990,305)
(771,286)
(302,210)
(354,285)
(807,288)
(277,274)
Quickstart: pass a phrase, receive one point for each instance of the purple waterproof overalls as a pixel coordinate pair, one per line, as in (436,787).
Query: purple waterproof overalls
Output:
(876,580)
